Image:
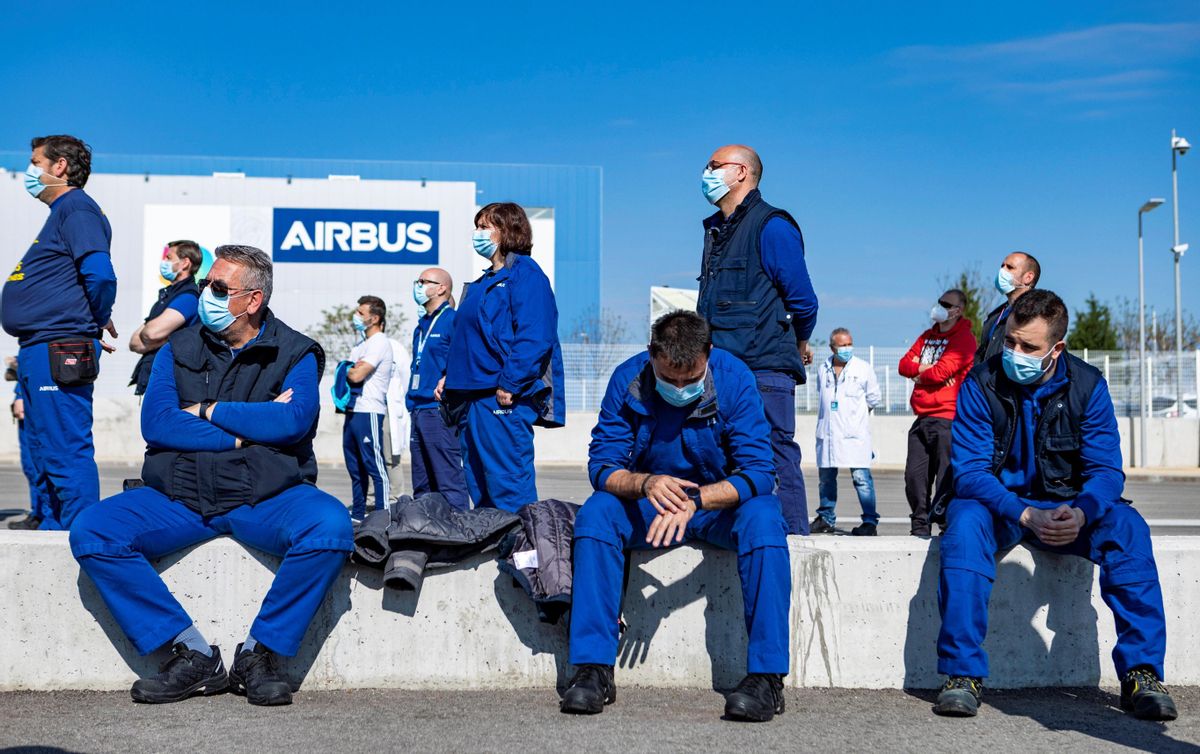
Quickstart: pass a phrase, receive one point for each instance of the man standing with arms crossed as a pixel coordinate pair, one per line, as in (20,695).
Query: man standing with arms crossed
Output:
(758,299)
(56,303)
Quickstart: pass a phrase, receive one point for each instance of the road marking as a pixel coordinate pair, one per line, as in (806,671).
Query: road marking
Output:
(1165,523)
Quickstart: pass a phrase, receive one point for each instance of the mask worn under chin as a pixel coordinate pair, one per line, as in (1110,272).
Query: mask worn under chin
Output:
(712,183)
(33,181)
(679,396)
(939,314)
(214,312)
(167,272)
(483,243)
(1025,369)
(419,294)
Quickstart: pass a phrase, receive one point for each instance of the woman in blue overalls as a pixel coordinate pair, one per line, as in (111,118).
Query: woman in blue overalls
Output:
(504,373)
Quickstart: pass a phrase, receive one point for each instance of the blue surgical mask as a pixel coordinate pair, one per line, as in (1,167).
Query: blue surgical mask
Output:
(845,354)
(679,396)
(33,183)
(419,294)
(712,183)
(358,323)
(1025,369)
(214,311)
(167,272)
(483,243)
(1004,282)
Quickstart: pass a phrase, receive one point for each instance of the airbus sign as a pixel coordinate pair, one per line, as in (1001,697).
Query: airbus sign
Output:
(371,236)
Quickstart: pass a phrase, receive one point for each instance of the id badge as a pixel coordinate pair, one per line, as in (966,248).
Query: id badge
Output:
(416,381)
(833,405)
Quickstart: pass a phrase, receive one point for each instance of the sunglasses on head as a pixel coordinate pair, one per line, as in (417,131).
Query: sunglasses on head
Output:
(221,288)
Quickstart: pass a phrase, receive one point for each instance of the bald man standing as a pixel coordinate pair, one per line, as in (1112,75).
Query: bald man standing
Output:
(435,448)
(758,299)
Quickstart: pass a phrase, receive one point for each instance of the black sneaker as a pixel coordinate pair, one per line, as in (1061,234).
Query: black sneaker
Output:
(1145,696)
(959,697)
(29,522)
(758,698)
(187,673)
(255,676)
(864,530)
(590,689)
(821,526)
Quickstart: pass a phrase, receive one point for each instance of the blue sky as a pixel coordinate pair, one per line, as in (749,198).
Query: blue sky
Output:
(910,140)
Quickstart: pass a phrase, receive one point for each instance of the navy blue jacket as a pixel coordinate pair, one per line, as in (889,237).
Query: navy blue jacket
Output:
(755,289)
(506,336)
(726,437)
(1016,447)
(429,366)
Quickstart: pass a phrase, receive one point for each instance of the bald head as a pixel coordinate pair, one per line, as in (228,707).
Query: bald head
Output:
(438,287)
(742,155)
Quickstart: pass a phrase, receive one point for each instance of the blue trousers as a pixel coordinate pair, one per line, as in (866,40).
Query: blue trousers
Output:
(115,541)
(1119,542)
(497,453)
(58,422)
(778,391)
(39,498)
(437,458)
(864,485)
(362,446)
(607,526)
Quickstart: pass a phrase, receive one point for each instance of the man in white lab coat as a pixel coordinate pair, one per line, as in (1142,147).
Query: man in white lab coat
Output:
(848,391)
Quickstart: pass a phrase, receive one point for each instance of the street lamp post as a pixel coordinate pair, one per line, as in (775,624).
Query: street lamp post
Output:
(1179,147)
(1145,398)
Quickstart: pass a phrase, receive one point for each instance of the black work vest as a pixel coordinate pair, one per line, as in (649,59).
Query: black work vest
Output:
(742,305)
(214,482)
(1058,437)
(141,373)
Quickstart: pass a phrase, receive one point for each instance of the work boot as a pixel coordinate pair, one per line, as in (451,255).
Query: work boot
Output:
(864,530)
(590,689)
(820,526)
(959,697)
(255,676)
(187,673)
(757,699)
(29,522)
(1145,696)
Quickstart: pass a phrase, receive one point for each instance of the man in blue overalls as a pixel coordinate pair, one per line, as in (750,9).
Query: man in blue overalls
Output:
(681,452)
(435,447)
(56,303)
(229,419)
(1037,459)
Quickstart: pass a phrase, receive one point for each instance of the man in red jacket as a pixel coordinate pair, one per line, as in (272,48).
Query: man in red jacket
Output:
(937,363)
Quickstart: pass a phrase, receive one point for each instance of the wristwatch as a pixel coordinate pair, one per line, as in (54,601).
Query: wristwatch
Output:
(694,494)
(204,407)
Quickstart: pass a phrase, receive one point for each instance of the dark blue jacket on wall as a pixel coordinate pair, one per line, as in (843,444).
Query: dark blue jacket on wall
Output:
(726,437)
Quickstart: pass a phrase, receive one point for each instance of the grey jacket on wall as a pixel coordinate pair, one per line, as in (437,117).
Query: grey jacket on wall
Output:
(538,556)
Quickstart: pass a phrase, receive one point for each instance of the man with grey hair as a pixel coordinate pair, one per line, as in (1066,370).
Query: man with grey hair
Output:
(756,294)
(229,417)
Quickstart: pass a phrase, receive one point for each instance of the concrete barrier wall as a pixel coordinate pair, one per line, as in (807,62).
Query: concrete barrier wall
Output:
(864,615)
(1172,443)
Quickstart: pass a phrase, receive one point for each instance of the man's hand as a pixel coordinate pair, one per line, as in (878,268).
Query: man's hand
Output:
(1057,527)
(193,409)
(111,329)
(668,528)
(668,494)
(18,409)
(284,397)
(437,391)
(504,398)
(806,353)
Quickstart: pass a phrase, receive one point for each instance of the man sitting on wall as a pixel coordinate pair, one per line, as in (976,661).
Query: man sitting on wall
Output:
(228,418)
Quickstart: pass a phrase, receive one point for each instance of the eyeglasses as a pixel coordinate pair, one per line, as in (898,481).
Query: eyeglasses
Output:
(946,304)
(221,288)
(423,281)
(714,165)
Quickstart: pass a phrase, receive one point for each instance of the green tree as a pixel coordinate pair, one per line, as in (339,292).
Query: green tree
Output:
(1093,328)
(335,330)
(979,292)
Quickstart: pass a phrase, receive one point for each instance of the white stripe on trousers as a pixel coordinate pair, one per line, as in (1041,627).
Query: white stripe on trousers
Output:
(380,466)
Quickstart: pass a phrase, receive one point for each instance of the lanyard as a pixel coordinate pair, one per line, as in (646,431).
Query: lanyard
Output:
(422,340)
(992,332)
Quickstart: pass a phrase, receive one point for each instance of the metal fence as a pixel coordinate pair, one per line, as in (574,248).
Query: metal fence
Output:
(588,368)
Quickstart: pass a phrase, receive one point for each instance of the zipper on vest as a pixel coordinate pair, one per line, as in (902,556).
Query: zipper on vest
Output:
(731,303)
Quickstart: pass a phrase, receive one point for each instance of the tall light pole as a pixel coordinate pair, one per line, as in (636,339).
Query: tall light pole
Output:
(1145,398)
(1179,147)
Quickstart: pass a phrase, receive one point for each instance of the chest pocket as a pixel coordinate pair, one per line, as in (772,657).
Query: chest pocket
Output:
(1060,458)
(495,316)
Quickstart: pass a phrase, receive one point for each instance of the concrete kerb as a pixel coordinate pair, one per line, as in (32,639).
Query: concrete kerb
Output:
(864,615)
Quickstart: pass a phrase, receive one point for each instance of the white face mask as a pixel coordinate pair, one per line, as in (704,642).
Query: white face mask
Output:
(939,314)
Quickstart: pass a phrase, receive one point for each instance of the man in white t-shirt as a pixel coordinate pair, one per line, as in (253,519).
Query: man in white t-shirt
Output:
(362,435)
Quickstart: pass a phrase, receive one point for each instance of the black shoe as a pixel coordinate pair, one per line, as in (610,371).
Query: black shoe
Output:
(864,530)
(821,526)
(758,698)
(255,677)
(959,697)
(187,673)
(590,689)
(1145,696)
(29,522)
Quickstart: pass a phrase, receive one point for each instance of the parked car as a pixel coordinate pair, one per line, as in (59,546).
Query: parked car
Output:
(1167,405)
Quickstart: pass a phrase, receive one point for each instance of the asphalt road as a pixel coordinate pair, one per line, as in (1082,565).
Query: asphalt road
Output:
(1167,499)
(1058,720)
